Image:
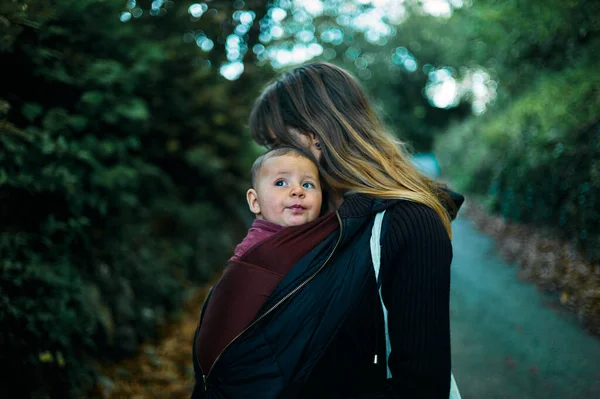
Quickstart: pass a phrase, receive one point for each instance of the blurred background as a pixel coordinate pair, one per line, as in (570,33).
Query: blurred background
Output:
(125,155)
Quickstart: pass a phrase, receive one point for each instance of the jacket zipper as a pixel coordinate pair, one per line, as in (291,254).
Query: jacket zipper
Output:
(287,296)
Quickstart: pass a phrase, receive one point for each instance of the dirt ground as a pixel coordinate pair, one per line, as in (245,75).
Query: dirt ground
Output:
(160,370)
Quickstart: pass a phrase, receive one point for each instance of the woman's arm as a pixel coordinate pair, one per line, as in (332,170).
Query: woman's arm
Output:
(415,272)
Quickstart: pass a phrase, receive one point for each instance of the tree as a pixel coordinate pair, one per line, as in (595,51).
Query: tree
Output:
(122,152)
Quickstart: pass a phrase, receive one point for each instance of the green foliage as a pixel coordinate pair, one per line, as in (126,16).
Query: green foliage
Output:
(122,164)
(515,40)
(57,326)
(537,160)
(533,156)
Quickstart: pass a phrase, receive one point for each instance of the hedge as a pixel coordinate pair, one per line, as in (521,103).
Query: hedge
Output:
(122,162)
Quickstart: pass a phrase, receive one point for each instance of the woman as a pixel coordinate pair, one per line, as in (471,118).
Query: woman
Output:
(321,333)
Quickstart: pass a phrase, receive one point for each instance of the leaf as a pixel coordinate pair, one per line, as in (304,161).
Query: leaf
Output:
(135,110)
(92,97)
(31,111)
(46,357)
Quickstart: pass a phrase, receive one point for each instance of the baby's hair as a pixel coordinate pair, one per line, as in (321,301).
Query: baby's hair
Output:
(274,153)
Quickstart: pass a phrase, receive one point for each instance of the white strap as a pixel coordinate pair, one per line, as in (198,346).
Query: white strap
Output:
(376,258)
(454,393)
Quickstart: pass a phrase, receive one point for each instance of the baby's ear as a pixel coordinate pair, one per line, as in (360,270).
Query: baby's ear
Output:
(252,198)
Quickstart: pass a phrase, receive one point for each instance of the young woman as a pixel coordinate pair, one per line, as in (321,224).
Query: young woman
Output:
(321,333)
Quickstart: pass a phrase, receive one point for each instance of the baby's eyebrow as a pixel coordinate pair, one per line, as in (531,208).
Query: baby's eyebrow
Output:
(287,172)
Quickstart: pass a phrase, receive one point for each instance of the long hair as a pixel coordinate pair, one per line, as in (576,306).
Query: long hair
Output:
(358,154)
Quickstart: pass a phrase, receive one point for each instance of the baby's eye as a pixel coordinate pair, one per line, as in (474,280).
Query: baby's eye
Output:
(281,183)
(308,185)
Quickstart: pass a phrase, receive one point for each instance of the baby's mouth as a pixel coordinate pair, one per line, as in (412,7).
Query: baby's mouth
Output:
(297,208)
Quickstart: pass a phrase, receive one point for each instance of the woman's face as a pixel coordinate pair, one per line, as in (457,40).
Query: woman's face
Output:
(309,141)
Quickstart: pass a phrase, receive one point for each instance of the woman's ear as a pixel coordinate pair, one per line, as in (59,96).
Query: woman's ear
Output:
(252,198)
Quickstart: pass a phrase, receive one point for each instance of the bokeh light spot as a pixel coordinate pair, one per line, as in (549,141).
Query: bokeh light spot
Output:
(232,70)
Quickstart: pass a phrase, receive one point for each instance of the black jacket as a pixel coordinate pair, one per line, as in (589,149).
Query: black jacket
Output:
(318,333)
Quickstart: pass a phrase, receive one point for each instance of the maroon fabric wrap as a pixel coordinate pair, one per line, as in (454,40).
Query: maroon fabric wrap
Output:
(247,282)
(259,230)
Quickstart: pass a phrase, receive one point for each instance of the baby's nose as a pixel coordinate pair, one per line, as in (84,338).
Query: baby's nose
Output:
(297,191)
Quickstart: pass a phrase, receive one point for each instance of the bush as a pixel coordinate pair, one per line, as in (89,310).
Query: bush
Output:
(121,166)
(537,160)
(45,322)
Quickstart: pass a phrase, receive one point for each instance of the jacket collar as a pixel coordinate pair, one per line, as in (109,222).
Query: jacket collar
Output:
(356,205)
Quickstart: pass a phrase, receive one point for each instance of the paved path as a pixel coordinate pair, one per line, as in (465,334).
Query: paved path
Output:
(508,339)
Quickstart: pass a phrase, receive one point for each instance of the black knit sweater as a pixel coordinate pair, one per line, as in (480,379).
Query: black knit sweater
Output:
(415,272)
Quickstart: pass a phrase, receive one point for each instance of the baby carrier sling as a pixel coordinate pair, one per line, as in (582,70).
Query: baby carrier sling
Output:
(274,355)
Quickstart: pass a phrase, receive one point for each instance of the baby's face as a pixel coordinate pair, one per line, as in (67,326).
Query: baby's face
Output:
(288,190)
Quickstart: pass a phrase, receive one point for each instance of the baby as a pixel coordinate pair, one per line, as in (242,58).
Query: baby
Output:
(285,192)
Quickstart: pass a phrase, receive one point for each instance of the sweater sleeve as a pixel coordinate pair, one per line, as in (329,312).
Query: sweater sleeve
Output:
(415,272)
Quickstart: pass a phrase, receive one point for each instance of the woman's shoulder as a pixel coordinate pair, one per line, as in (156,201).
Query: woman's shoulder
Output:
(415,236)
(411,211)
(450,200)
(411,220)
